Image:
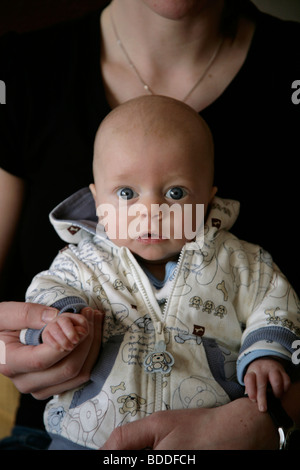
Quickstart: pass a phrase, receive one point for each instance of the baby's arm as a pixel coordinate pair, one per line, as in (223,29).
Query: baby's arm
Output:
(65,331)
(260,374)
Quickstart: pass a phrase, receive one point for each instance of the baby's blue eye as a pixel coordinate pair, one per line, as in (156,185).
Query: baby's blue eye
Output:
(126,193)
(176,193)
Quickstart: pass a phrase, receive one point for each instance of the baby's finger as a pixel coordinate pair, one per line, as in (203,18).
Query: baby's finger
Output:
(50,340)
(63,334)
(279,381)
(286,382)
(261,397)
(73,327)
(71,323)
(54,336)
(250,385)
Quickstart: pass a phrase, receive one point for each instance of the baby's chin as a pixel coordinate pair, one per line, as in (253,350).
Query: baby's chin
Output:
(156,261)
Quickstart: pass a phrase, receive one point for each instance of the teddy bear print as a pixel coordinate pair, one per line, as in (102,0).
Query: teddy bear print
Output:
(159,361)
(131,403)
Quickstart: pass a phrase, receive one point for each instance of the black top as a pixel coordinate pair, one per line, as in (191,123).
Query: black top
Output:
(56,100)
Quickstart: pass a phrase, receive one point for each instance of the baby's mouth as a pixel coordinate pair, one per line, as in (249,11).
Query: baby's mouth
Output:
(151,237)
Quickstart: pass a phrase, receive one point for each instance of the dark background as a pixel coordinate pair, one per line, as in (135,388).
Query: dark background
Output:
(26,15)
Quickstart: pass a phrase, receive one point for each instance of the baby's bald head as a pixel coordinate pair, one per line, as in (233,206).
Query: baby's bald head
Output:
(155,117)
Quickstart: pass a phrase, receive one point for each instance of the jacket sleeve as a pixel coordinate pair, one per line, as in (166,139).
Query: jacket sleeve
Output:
(60,287)
(273,324)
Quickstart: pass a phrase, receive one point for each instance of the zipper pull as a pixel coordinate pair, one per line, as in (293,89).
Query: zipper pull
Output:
(160,360)
(160,337)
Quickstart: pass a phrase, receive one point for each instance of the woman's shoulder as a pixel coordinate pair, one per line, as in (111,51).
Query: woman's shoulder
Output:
(274,50)
(275,32)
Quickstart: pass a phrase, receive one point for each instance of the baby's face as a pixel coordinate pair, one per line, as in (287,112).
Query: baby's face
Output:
(152,191)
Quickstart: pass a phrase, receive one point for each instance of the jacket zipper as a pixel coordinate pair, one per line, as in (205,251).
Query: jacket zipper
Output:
(160,345)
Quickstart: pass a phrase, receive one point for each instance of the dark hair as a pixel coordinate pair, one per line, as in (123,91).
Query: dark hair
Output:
(233,10)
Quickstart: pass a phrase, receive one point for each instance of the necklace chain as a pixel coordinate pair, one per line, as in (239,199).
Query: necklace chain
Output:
(139,76)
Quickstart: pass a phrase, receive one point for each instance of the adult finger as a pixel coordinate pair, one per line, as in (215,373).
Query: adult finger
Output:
(132,436)
(45,382)
(96,326)
(73,370)
(19,315)
(21,359)
(250,385)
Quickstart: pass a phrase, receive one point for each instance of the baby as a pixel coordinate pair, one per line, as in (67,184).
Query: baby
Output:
(152,154)
(145,160)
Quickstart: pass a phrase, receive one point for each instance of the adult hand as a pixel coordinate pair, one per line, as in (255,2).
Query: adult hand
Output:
(235,426)
(42,370)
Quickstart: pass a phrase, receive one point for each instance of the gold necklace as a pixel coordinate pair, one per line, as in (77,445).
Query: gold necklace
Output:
(137,73)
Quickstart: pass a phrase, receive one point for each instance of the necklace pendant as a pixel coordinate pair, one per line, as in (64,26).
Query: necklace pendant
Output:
(148,89)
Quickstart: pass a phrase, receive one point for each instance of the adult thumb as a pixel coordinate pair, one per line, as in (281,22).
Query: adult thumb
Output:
(19,315)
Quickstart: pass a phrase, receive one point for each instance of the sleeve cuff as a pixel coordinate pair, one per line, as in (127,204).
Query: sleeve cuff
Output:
(257,351)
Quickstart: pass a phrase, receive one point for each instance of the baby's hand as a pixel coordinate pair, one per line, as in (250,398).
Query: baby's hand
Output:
(65,331)
(260,374)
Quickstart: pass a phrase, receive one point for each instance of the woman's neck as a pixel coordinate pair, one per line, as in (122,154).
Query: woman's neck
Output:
(172,55)
(158,43)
